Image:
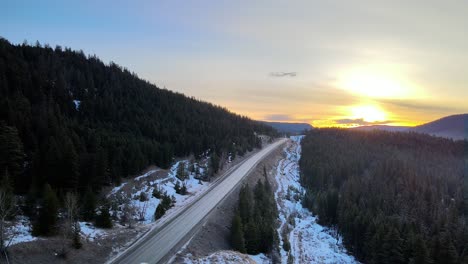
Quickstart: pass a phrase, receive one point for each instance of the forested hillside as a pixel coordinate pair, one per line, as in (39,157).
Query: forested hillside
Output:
(291,128)
(394,197)
(73,122)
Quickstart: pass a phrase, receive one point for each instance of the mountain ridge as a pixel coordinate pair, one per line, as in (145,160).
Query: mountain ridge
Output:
(453,126)
(285,127)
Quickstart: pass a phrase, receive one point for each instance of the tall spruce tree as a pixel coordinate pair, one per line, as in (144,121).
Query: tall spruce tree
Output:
(214,163)
(237,234)
(252,238)
(447,252)
(11,153)
(88,209)
(245,204)
(45,224)
(392,247)
(420,252)
(103,219)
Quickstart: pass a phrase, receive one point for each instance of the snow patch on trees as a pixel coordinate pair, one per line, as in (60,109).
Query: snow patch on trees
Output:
(77,104)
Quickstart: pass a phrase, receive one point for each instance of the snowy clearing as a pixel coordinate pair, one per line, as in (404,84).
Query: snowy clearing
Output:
(310,242)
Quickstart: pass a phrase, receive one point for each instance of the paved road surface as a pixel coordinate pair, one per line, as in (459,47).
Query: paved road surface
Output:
(157,246)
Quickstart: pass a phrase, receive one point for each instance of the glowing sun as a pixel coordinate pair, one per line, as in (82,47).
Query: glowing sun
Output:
(368,113)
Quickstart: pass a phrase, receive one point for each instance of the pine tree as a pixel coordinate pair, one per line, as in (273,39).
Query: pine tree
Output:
(375,246)
(7,187)
(177,187)
(268,237)
(103,219)
(76,236)
(214,163)
(11,151)
(159,212)
(286,244)
(181,171)
(245,206)
(392,247)
(237,234)
(70,167)
(448,253)
(252,238)
(420,252)
(157,192)
(47,219)
(7,207)
(88,210)
(31,202)
(183,189)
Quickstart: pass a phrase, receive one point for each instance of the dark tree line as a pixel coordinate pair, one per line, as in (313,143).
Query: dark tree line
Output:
(394,197)
(253,225)
(70,121)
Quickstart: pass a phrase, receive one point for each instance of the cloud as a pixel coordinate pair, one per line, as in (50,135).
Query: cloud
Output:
(318,94)
(360,122)
(413,104)
(283,74)
(278,117)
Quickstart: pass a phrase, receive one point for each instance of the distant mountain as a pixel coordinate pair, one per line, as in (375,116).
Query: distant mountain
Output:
(293,128)
(383,127)
(455,126)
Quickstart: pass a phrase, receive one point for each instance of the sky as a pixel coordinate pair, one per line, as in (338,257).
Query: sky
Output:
(327,63)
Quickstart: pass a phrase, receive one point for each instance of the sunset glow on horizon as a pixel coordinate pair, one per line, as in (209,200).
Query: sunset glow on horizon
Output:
(333,63)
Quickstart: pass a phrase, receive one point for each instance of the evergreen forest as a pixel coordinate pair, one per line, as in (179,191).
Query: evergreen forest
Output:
(394,197)
(73,122)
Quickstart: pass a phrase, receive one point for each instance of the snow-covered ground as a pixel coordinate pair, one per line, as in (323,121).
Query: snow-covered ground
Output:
(20,231)
(145,208)
(310,242)
(227,256)
(89,232)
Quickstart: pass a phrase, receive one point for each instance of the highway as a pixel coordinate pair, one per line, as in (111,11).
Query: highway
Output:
(160,244)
